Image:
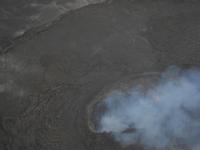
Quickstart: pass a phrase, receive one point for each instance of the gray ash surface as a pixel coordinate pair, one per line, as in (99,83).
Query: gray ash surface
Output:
(48,79)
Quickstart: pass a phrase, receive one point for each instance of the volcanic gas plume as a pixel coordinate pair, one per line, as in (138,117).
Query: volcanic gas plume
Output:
(166,115)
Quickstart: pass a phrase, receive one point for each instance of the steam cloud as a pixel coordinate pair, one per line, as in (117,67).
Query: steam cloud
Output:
(167,115)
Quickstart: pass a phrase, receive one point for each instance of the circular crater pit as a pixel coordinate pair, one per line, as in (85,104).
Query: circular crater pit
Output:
(97,108)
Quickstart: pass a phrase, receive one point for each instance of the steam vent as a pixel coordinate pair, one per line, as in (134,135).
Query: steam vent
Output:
(97,108)
(100,75)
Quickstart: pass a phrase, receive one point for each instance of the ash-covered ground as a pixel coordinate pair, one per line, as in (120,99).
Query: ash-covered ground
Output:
(48,78)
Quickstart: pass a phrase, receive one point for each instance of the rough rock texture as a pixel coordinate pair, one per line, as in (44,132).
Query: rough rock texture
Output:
(48,79)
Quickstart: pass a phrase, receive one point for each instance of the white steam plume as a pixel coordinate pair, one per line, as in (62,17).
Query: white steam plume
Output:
(167,114)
